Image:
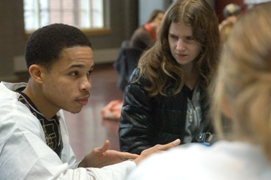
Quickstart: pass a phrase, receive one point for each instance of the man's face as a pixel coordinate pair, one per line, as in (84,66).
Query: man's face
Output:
(66,86)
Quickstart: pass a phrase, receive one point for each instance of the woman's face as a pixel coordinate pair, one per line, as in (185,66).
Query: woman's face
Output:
(183,46)
(158,19)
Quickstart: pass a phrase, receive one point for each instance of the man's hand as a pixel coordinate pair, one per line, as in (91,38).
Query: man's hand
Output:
(155,149)
(101,156)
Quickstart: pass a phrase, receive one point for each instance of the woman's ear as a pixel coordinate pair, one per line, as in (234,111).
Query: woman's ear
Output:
(35,72)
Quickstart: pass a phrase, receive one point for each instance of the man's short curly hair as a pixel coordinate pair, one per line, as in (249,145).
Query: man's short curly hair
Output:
(45,45)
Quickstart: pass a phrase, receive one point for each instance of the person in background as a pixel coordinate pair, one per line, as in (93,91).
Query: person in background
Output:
(242,96)
(146,35)
(130,52)
(34,141)
(231,13)
(167,97)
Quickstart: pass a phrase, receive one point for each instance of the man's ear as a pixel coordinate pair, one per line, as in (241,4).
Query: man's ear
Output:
(35,72)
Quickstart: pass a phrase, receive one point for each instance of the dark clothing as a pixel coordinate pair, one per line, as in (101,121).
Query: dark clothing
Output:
(146,121)
(50,127)
(126,62)
(141,39)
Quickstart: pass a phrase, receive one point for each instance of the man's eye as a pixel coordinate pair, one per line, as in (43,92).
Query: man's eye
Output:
(89,72)
(74,73)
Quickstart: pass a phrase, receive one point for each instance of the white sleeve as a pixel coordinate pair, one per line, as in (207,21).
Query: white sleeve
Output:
(25,155)
(67,154)
(113,172)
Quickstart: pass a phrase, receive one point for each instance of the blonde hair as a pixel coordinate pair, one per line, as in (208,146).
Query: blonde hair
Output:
(243,83)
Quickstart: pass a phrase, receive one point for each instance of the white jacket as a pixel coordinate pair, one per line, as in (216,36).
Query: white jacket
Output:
(24,153)
(221,161)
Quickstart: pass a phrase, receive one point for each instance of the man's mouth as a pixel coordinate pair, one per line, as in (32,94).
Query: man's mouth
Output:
(83,101)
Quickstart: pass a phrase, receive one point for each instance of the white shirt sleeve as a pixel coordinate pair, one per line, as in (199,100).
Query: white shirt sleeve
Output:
(25,154)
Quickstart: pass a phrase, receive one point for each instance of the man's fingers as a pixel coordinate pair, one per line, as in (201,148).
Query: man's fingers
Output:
(176,142)
(130,156)
(126,156)
(171,144)
(104,147)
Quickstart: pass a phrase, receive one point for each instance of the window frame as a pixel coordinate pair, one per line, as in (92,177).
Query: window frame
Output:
(106,30)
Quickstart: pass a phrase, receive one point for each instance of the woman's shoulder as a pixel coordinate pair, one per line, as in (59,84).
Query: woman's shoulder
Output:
(138,78)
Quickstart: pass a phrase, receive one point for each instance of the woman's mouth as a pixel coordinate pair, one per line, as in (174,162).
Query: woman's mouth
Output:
(181,55)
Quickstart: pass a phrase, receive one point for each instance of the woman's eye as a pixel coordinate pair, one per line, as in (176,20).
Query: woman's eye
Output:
(190,38)
(173,37)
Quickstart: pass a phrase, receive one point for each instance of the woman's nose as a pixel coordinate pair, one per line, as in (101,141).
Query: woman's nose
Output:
(180,45)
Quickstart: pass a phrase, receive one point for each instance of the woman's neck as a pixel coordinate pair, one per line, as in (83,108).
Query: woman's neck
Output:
(191,76)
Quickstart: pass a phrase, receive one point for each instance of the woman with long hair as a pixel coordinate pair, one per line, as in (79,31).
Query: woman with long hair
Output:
(167,97)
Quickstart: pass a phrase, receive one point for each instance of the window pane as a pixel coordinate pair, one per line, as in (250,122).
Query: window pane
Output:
(97,13)
(55,4)
(29,17)
(82,21)
(68,18)
(44,4)
(29,14)
(67,4)
(44,18)
(84,17)
(28,4)
(79,13)
(55,17)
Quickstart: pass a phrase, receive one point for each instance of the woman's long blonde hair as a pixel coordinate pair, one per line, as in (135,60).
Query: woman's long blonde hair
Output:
(243,85)
(157,64)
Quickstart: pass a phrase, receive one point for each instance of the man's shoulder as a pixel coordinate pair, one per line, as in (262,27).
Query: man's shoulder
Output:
(10,106)
(6,92)
(7,86)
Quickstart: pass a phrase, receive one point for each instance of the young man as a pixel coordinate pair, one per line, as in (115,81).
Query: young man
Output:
(34,142)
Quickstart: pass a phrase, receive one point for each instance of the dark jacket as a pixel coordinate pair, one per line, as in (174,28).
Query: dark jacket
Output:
(141,39)
(126,63)
(146,121)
